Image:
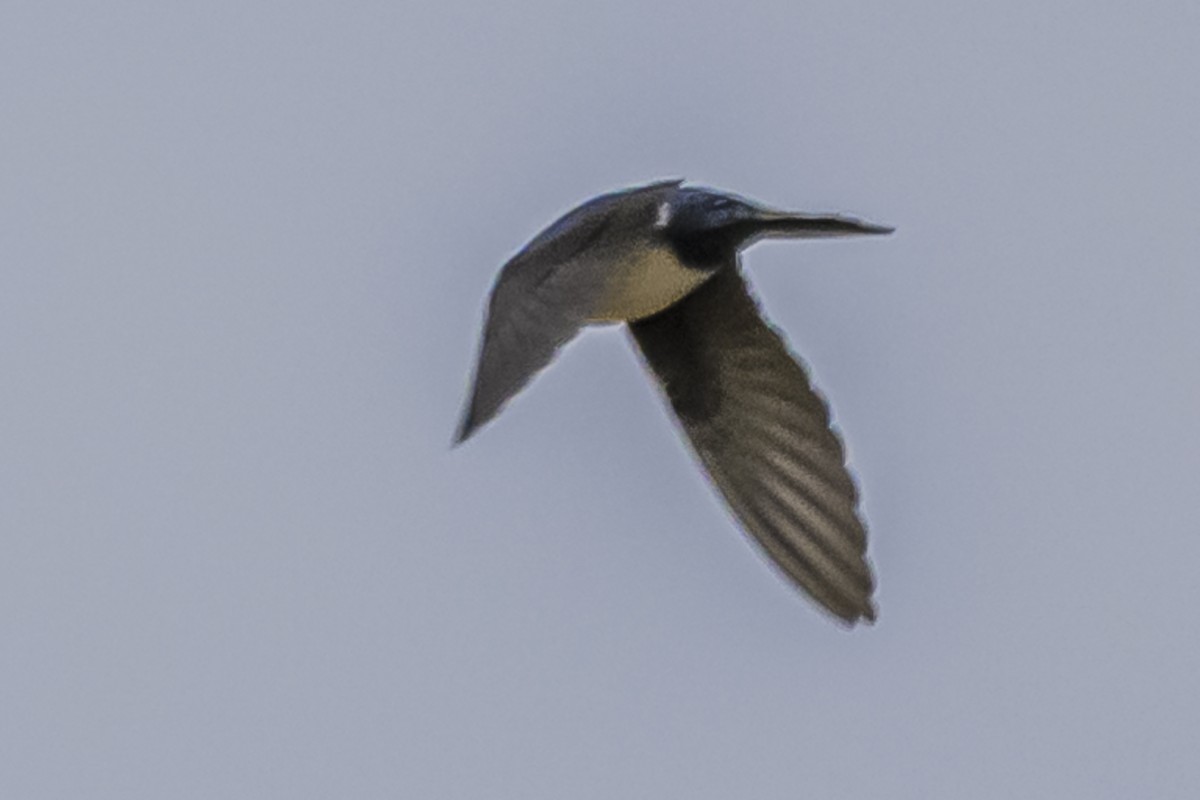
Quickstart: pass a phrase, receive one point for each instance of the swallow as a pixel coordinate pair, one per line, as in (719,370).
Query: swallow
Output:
(663,260)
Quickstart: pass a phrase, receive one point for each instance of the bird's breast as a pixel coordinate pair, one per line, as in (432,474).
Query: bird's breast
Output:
(645,282)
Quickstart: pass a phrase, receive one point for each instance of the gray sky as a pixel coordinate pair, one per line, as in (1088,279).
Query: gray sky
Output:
(244,250)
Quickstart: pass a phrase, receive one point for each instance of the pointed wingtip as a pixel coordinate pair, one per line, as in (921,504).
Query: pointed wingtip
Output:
(463,432)
(864,616)
(467,425)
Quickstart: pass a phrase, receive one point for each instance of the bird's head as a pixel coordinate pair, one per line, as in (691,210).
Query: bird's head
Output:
(707,227)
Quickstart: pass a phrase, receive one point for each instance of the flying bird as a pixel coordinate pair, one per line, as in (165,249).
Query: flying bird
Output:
(664,260)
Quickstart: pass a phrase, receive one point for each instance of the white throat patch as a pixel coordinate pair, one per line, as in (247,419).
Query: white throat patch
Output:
(664,215)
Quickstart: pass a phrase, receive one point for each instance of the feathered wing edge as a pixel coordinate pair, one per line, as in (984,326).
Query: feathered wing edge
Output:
(763,436)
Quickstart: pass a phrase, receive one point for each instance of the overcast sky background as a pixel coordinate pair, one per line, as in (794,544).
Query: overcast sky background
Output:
(244,251)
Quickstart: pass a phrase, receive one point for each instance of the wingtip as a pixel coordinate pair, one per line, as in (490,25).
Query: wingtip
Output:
(464,430)
(864,616)
(460,436)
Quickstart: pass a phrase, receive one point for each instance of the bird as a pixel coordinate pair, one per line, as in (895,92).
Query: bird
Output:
(663,259)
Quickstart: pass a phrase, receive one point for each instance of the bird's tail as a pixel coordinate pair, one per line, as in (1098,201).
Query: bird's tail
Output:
(808,226)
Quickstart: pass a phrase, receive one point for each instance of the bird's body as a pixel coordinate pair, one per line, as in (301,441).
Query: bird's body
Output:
(663,259)
(646,282)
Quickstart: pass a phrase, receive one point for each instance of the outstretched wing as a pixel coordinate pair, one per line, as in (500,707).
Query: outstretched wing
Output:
(527,321)
(547,292)
(763,435)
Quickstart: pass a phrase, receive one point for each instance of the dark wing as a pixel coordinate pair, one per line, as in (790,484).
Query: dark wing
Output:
(763,435)
(529,317)
(546,293)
